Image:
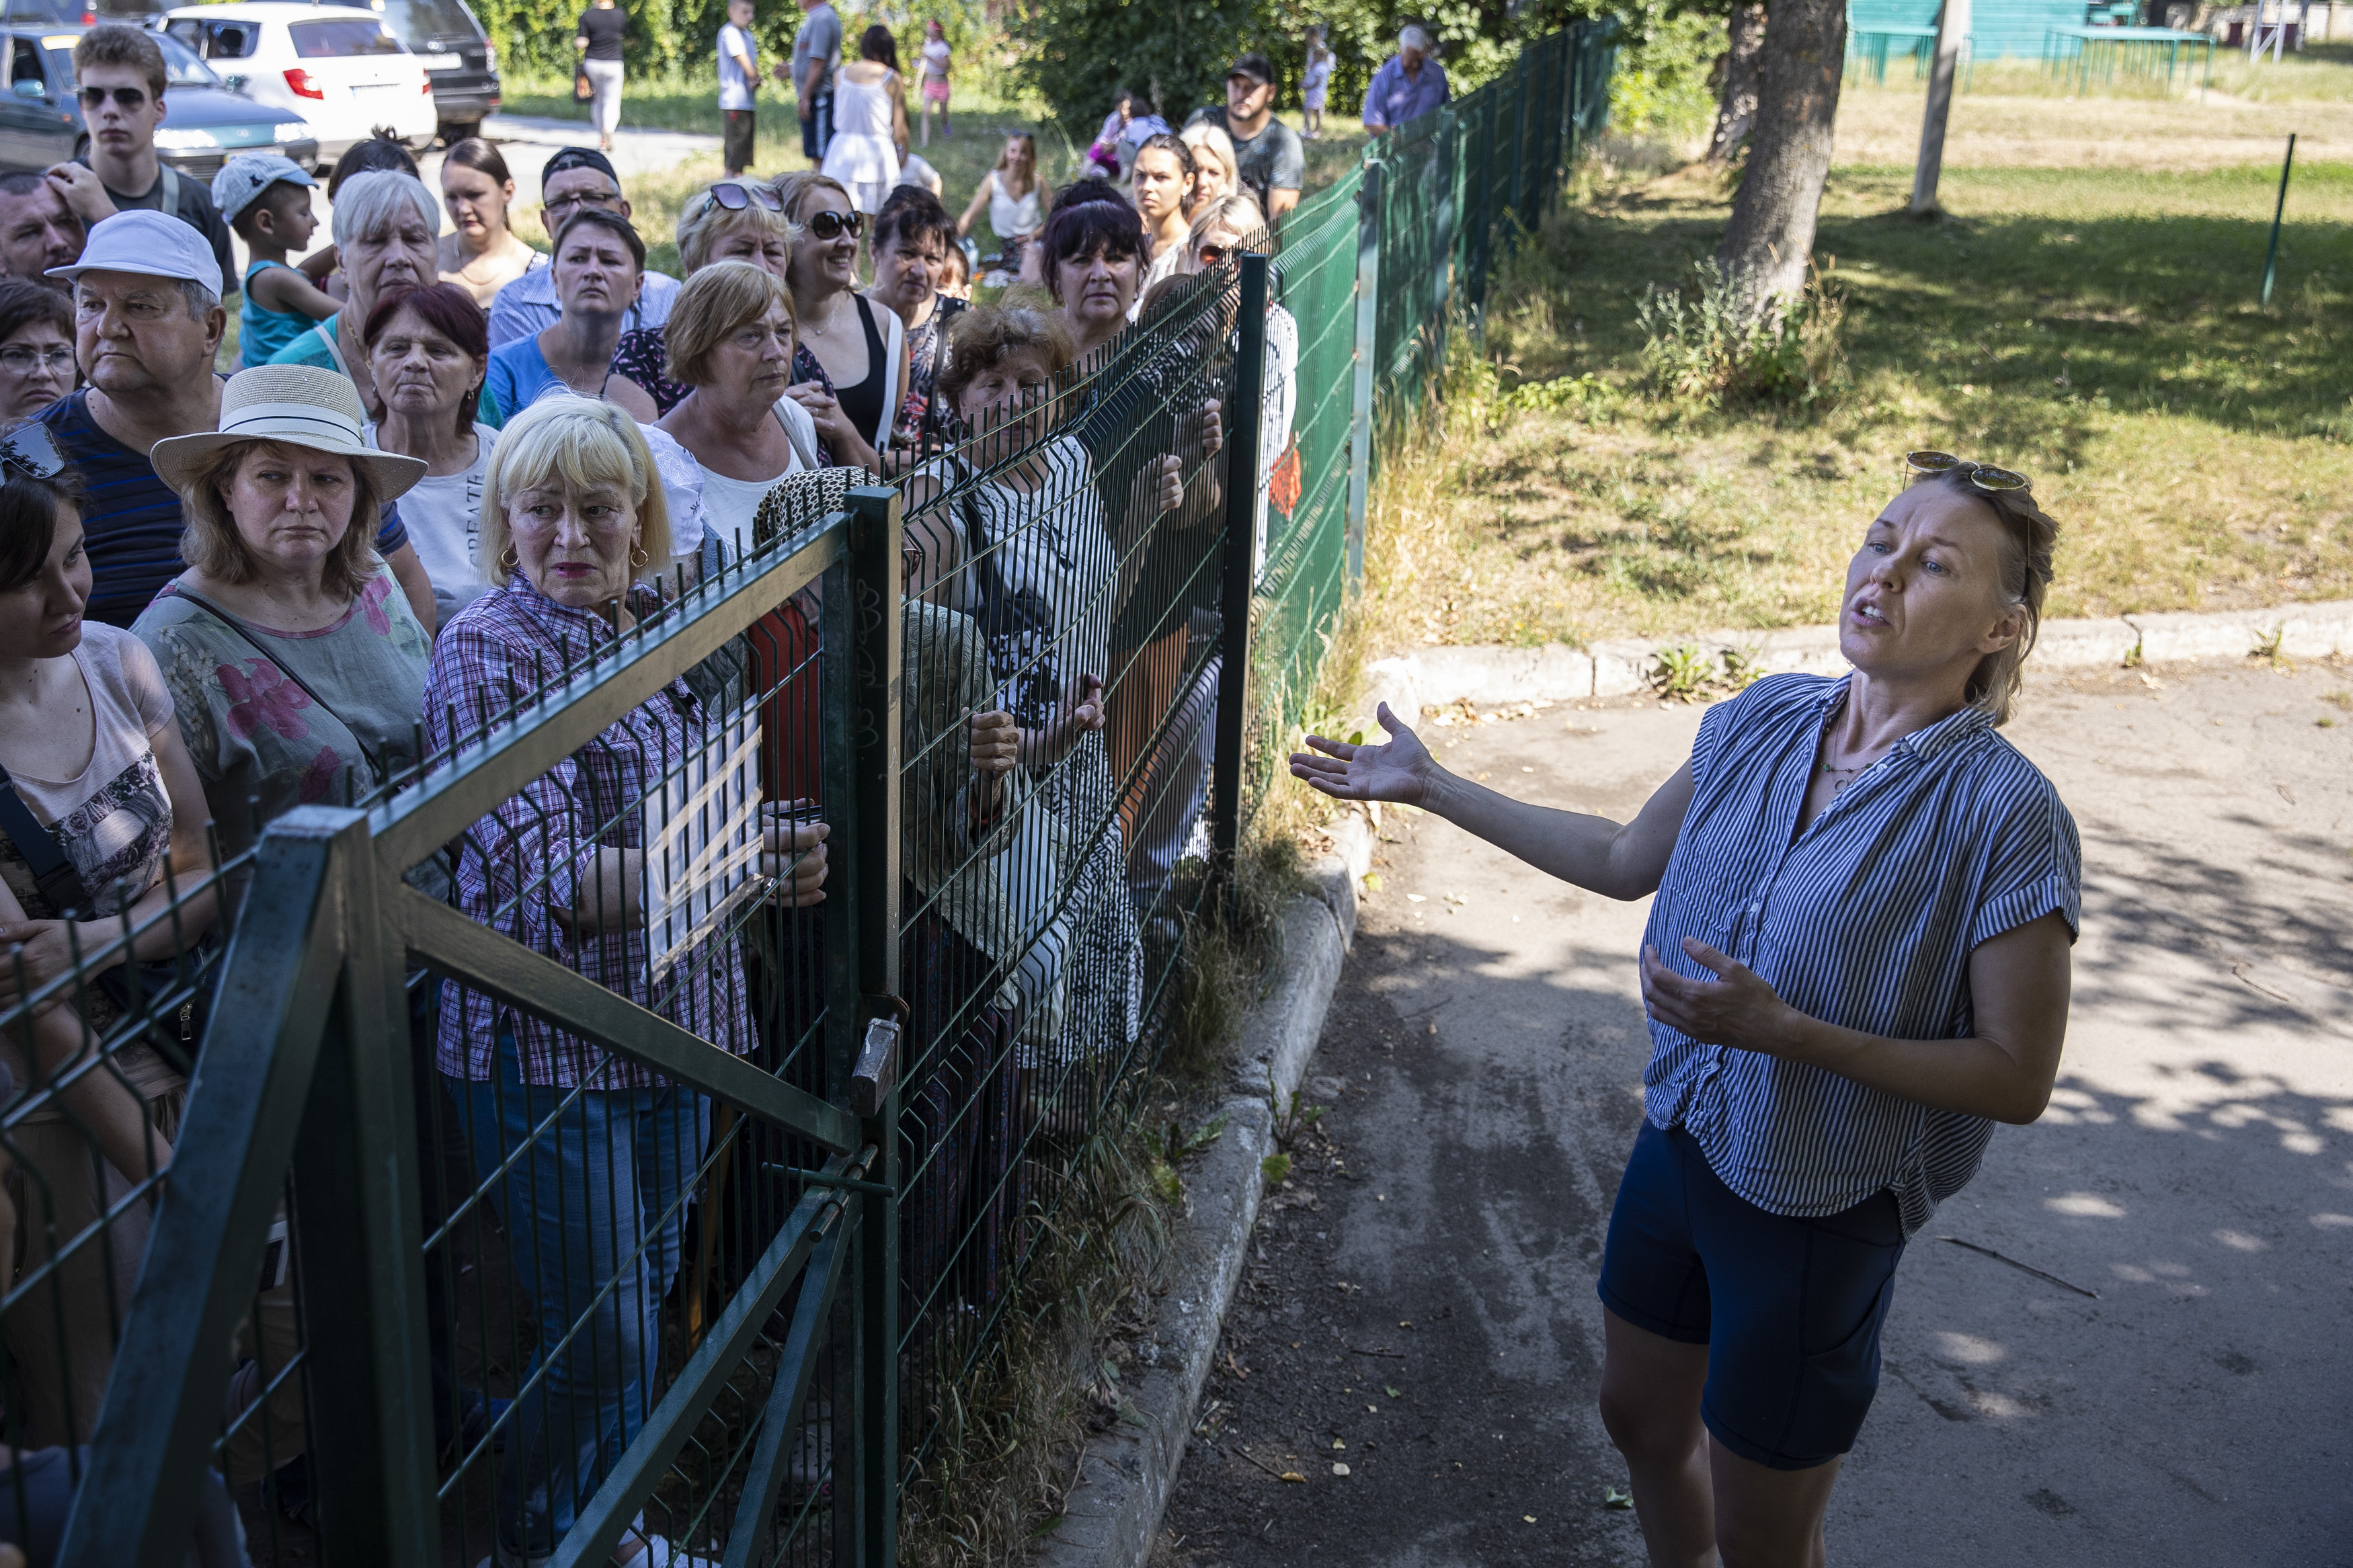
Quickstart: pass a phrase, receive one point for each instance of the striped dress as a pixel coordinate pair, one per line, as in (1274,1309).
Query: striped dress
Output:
(1865,920)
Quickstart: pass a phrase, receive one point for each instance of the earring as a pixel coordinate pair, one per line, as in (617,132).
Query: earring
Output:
(508,559)
(638,556)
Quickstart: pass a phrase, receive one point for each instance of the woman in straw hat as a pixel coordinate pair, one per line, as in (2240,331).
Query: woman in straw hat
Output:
(294,662)
(297,672)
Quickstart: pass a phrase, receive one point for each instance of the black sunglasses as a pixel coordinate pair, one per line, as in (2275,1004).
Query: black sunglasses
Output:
(1215,254)
(831,225)
(1984,476)
(731,195)
(29,447)
(128,98)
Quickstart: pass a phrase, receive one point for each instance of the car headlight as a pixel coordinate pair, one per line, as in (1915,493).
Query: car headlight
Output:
(186,141)
(294,131)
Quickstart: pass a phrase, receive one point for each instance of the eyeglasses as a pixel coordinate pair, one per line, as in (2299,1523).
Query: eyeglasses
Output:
(1215,254)
(588,198)
(831,225)
(730,196)
(23,361)
(29,447)
(1983,475)
(129,98)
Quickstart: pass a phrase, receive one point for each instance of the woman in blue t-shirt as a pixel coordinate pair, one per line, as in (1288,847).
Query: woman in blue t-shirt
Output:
(600,261)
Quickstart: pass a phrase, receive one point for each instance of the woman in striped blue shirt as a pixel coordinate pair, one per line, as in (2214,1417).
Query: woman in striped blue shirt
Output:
(1856,963)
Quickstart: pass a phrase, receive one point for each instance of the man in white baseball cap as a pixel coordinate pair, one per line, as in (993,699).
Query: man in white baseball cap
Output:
(147,330)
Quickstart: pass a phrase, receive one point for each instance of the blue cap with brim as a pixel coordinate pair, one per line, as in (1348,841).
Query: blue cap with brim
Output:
(151,245)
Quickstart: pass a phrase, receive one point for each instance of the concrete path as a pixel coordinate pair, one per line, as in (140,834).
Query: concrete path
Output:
(1482,1064)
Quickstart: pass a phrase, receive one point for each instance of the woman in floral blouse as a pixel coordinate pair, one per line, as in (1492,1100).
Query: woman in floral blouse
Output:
(589,1155)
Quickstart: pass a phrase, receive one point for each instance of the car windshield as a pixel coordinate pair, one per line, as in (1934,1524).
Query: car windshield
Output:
(181,66)
(339,39)
(424,23)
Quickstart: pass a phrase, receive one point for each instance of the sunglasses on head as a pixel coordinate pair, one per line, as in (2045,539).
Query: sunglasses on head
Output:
(831,225)
(1984,476)
(732,195)
(30,448)
(128,98)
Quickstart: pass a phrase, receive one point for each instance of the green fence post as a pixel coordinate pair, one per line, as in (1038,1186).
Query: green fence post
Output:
(1367,366)
(359,1241)
(1241,520)
(1520,160)
(162,1410)
(867,858)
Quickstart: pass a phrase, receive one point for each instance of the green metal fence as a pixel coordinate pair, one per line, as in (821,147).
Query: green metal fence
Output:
(863,1113)
(1373,270)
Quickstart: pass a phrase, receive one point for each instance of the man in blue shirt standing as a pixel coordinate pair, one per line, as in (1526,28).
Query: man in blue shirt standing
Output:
(575,177)
(1408,85)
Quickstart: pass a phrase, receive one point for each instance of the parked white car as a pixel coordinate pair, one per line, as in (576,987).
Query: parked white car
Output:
(338,67)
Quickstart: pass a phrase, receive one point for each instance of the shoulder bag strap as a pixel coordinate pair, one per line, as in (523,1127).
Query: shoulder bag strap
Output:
(281,666)
(806,453)
(168,203)
(53,874)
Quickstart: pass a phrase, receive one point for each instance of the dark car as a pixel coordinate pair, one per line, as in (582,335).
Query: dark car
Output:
(41,122)
(458,57)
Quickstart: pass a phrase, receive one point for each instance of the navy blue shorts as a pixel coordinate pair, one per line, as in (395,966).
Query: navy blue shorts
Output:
(1790,1309)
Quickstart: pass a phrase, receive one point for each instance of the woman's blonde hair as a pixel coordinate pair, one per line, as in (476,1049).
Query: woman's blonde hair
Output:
(1239,214)
(793,189)
(1004,156)
(718,301)
(210,542)
(1207,137)
(703,224)
(2028,537)
(578,442)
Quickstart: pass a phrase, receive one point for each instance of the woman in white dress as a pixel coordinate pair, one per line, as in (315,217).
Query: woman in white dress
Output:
(869,122)
(1018,202)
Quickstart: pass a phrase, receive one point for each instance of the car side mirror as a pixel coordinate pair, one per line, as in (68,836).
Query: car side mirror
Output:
(234,83)
(29,89)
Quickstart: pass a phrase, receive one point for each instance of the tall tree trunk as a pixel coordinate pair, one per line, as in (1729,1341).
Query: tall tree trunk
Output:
(1772,236)
(1735,108)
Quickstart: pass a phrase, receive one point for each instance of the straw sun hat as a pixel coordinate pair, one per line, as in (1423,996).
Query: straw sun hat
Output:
(292,406)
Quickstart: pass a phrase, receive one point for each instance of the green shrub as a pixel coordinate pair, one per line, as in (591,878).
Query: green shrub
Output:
(1701,344)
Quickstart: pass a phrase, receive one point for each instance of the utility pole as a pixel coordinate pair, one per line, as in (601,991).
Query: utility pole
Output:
(1952,38)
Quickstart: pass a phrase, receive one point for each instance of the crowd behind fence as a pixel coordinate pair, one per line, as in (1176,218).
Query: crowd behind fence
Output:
(549,1167)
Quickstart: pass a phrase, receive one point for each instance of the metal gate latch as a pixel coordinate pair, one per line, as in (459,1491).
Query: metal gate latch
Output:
(877,1072)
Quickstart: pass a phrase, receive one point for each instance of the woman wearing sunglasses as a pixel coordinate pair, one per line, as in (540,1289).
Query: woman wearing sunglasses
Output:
(1856,963)
(734,220)
(1222,231)
(860,347)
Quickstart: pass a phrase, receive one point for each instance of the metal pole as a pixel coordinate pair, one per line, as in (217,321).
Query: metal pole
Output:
(1241,515)
(1367,366)
(2271,256)
(359,1240)
(1952,31)
(866,858)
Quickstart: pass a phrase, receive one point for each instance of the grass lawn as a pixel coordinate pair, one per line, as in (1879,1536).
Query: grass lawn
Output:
(2088,316)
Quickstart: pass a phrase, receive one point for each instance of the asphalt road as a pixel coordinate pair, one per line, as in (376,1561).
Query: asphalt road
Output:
(1482,1065)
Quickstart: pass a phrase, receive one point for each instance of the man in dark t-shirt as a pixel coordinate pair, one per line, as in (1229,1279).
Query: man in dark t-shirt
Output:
(1273,160)
(147,328)
(120,74)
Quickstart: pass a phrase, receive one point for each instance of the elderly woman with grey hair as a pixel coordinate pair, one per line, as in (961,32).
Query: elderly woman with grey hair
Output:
(386,225)
(1410,84)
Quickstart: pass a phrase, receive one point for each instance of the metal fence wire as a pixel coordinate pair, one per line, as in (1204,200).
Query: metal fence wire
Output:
(534,1165)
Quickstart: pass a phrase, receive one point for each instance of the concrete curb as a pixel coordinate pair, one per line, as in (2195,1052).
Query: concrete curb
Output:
(1432,677)
(1127,1473)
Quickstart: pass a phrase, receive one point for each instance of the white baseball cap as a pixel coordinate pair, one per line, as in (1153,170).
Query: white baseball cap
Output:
(244,177)
(149,244)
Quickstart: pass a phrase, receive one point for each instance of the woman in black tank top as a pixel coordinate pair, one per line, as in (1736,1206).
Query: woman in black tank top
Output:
(863,402)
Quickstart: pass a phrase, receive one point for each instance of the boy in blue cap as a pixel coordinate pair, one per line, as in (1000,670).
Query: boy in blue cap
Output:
(267,199)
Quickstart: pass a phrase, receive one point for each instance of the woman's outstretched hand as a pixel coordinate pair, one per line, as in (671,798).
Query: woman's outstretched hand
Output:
(1403,771)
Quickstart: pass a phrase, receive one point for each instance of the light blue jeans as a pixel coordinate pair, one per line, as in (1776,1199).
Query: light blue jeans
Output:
(590,1202)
